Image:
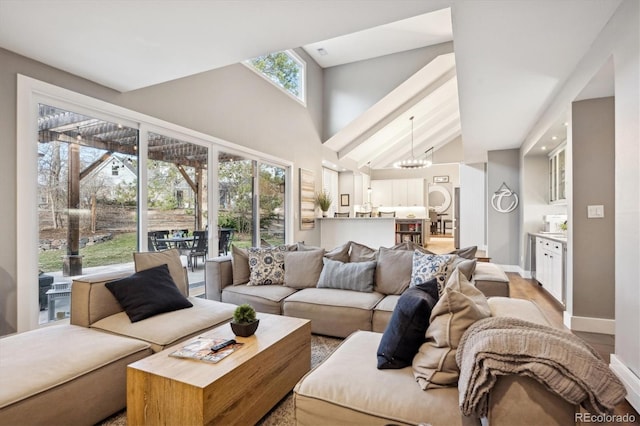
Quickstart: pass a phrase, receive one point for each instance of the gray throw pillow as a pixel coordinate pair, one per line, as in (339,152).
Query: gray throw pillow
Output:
(356,276)
(393,272)
(240,265)
(362,253)
(302,268)
(340,253)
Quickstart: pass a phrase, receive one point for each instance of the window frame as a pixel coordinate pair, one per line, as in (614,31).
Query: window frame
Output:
(302,99)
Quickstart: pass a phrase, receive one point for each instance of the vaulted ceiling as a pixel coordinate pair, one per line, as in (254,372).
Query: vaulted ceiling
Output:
(511,57)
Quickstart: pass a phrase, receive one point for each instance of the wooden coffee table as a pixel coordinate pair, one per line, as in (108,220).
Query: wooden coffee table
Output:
(240,389)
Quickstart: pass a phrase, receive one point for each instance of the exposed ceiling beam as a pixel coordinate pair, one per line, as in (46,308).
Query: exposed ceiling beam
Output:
(397,112)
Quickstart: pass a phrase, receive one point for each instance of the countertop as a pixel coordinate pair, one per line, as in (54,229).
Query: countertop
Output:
(561,238)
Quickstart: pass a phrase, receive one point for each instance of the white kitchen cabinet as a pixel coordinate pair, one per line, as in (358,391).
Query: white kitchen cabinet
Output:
(550,266)
(397,192)
(381,193)
(557,180)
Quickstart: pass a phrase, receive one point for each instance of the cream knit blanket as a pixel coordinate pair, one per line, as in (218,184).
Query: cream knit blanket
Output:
(559,360)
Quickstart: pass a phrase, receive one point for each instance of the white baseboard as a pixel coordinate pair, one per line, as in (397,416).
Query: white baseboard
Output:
(631,381)
(590,325)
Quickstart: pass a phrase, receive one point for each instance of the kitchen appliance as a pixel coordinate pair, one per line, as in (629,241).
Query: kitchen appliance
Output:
(552,223)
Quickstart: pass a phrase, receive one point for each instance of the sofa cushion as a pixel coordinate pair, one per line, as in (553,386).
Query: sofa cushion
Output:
(302,268)
(383,311)
(427,266)
(517,308)
(491,279)
(460,306)
(170,258)
(393,272)
(357,276)
(263,298)
(266,265)
(148,293)
(340,253)
(346,389)
(39,360)
(406,329)
(466,252)
(171,327)
(361,253)
(240,265)
(333,312)
(466,266)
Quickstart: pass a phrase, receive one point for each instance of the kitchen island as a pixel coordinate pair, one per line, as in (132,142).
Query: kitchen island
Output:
(373,232)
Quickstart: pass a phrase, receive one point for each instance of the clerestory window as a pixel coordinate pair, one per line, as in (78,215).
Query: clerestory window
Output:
(284,69)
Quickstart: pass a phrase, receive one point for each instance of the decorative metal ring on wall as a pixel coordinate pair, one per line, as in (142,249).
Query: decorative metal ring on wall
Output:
(502,195)
(446,198)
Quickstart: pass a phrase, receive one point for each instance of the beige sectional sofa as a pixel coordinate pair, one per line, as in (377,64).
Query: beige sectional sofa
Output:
(336,312)
(75,374)
(349,389)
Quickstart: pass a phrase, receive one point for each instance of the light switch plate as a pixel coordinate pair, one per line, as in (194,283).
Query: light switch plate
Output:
(595,212)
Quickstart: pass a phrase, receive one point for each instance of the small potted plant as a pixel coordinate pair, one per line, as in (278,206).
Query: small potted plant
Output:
(323,200)
(244,322)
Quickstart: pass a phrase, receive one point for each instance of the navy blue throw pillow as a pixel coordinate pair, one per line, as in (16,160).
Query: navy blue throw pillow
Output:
(148,293)
(407,327)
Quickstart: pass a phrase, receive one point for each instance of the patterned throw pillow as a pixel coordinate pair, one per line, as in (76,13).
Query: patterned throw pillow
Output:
(428,266)
(266,265)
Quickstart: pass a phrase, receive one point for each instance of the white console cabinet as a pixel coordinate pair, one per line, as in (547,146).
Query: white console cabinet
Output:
(550,266)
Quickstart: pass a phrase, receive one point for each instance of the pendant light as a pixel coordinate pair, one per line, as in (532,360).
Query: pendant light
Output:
(413,162)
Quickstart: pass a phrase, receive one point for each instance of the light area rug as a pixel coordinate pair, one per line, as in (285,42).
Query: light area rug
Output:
(282,414)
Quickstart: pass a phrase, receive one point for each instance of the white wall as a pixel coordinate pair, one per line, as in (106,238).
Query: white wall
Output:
(351,89)
(473,205)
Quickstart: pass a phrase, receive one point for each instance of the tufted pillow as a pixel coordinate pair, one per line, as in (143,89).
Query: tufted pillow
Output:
(147,293)
(427,266)
(357,276)
(266,265)
(460,306)
(406,329)
(302,268)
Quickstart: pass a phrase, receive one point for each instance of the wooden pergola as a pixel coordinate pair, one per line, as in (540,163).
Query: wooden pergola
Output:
(78,130)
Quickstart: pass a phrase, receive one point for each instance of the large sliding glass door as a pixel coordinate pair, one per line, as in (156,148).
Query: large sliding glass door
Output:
(177,207)
(104,177)
(272,203)
(87,201)
(252,197)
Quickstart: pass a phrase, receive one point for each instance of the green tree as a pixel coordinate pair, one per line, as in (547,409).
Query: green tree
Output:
(281,69)
(236,179)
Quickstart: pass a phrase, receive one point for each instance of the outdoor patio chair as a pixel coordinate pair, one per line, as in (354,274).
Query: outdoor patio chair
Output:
(224,241)
(199,249)
(161,245)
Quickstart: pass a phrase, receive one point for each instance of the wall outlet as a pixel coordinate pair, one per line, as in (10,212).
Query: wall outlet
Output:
(595,212)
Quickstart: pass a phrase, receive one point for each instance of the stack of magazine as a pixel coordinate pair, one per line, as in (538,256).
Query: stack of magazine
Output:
(200,349)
